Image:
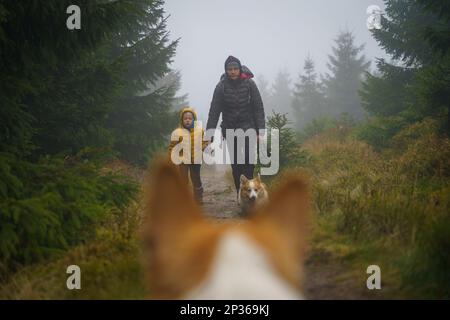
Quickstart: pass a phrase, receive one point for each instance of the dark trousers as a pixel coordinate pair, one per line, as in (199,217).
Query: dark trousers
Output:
(247,151)
(193,170)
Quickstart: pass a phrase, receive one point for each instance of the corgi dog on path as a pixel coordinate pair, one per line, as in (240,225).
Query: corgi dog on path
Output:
(252,193)
(188,256)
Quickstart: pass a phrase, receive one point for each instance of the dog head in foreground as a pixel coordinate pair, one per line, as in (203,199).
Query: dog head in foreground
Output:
(188,256)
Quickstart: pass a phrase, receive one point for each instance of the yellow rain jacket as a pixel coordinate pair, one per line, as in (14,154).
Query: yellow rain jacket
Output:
(197,145)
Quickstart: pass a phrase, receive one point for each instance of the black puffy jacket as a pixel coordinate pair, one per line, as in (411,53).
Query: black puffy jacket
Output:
(240,103)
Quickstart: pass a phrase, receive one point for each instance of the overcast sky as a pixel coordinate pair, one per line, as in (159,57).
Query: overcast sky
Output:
(266,35)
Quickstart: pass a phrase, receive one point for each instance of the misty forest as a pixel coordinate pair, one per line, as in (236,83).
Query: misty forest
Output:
(83,113)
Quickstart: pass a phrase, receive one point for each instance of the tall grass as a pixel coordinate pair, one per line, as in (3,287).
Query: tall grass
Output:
(400,197)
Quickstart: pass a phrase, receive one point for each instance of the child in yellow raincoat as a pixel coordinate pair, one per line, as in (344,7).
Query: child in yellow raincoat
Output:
(192,137)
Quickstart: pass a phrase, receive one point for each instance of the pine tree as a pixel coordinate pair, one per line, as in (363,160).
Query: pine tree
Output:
(281,98)
(290,152)
(434,81)
(347,66)
(173,80)
(263,87)
(59,89)
(413,33)
(308,102)
(438,35)
(142,116)
(386,93)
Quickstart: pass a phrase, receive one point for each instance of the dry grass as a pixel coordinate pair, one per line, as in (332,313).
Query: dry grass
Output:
(394,206)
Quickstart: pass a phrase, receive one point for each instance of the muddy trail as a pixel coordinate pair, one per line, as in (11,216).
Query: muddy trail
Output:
(325,277)
(219,197)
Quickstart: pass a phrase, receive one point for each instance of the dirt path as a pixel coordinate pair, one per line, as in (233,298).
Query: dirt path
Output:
(324,277)
(219,198)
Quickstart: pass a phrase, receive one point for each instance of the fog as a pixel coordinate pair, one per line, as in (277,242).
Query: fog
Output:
(266,35)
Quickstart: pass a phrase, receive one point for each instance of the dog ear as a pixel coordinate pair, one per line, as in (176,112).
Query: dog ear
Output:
(243,179)
(168,200)
(258,177)
(170,212)
(289,208)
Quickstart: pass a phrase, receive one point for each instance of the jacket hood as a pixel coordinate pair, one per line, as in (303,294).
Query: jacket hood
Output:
(183,111)
(245,73)
(232,59)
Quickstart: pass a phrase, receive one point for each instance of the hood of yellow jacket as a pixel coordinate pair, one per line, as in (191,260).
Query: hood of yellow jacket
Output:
(183,111)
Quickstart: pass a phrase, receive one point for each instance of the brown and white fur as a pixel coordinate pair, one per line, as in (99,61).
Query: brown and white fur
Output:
(252,193)
(191,257)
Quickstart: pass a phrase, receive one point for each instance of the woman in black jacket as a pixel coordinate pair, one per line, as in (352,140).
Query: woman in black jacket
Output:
(237,98)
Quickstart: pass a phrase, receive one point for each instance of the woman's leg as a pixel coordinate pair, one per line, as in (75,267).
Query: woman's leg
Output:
(235,167)
(249,165)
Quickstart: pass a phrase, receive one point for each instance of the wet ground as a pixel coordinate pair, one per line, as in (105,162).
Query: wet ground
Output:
(325,277)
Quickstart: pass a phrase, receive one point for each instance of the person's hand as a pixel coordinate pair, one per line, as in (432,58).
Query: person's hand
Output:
(260,138)
(209,148)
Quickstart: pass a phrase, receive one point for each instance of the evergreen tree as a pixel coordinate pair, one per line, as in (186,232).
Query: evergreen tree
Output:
(71,85)
(347,66)
(308,102)
(434,81)
(386,93)
(281,97)
(438,35)
(37,51)
(413,33)
(173,80)
(263,87)
(60,92)
(142,116)
(291,155)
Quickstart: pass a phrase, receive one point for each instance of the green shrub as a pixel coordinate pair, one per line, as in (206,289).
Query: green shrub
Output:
(424,153)
(290,151)
(48,206)
(379,131)
(315,127)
